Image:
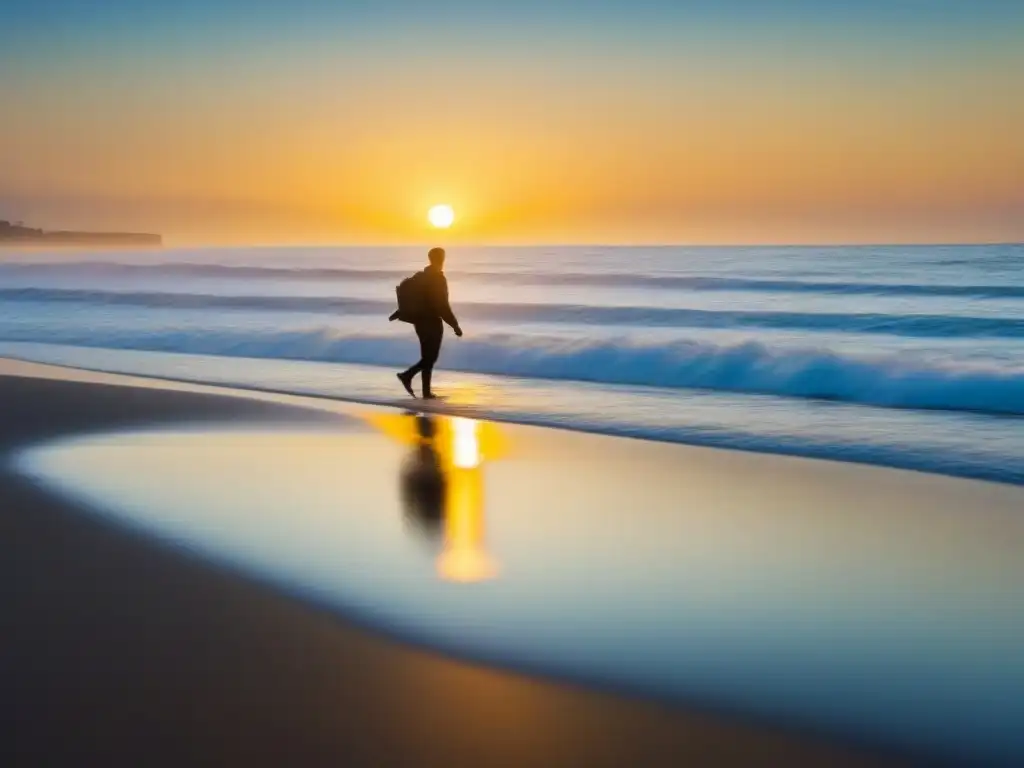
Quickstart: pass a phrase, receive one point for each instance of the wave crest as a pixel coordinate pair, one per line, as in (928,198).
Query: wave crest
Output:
(893,381)
(87,269)
(921,326)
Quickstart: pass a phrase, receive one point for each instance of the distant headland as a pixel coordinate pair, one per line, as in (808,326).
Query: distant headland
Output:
(17,234)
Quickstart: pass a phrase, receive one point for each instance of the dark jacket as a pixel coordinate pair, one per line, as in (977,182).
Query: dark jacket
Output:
(436,289)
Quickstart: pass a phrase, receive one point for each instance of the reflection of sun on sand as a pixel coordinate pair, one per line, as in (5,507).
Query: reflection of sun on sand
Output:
(462,446)
(464,557)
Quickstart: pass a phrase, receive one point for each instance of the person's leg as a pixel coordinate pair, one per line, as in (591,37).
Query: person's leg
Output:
(406,378)
(430,349)
(412,371)
(407,375)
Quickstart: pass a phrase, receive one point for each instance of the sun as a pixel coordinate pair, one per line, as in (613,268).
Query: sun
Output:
(441,216)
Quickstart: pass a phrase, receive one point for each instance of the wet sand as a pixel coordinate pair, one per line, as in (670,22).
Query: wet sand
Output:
(119,651)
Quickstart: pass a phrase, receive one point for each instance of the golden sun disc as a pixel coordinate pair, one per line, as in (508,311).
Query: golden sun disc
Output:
(441,216)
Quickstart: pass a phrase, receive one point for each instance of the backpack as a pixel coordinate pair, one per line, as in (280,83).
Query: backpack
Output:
(411,293)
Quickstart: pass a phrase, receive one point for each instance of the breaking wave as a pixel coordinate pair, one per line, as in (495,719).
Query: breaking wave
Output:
(892,380)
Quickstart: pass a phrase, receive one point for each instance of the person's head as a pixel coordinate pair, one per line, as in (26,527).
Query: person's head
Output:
(436,257)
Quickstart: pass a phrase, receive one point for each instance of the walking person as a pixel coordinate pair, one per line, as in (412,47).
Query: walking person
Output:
(423,301)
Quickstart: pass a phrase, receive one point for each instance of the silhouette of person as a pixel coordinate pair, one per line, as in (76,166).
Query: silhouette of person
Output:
(428,323)
(422,483)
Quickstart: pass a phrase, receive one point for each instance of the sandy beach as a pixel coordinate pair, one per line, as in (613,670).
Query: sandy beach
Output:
(122,650)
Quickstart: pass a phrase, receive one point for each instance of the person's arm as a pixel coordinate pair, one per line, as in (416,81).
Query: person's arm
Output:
(444,308)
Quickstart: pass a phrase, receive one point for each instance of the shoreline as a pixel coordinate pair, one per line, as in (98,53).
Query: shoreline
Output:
(126,652)
(1005,478)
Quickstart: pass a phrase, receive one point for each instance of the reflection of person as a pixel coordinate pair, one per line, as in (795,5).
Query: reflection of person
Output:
(442,491)
(423,484)
(431,310)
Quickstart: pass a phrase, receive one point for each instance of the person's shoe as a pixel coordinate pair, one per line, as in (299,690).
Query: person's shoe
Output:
(406,382)
(430,396)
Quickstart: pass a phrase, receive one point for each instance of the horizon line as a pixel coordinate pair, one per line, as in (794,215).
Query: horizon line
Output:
(598,244)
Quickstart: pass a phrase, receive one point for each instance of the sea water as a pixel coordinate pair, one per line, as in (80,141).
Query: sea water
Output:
(909,356)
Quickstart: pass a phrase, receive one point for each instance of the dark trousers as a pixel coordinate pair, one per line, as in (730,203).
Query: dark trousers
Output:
(430,335)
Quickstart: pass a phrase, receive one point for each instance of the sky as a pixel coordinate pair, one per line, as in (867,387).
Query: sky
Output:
(258,121)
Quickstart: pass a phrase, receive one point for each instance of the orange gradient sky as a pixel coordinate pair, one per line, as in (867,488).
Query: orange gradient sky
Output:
(828,135)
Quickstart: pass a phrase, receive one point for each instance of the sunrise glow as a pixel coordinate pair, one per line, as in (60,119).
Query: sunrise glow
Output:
(710,123)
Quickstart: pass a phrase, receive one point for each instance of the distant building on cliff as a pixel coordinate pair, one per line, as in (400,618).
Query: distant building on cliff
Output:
(17,234)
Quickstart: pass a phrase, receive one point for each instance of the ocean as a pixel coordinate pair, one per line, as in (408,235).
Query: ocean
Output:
(905,356)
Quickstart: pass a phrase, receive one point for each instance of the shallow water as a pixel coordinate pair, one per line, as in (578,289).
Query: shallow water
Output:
(865,603)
